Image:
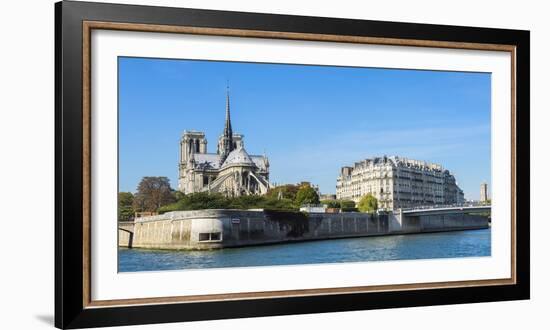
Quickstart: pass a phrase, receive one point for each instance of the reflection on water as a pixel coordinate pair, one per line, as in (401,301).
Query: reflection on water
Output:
(470,243)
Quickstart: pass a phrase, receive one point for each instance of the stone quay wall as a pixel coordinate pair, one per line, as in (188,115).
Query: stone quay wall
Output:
(211,229)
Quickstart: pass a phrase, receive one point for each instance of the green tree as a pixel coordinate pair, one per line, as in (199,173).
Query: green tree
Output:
(197,201)
(306,195)
(204,200)
(368,203)
(287,191)
(125,208)
(347,204)
(247,202)
(279,204)
(178,195)
(152,193)
(331,203)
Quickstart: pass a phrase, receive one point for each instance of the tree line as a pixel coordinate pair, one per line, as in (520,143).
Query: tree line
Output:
(155,195)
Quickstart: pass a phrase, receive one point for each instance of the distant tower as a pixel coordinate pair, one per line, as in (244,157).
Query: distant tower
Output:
(192,141)
(484,192)
(226,145)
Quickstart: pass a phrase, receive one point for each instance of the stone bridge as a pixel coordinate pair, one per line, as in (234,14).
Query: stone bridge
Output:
(445,218)
(466,209)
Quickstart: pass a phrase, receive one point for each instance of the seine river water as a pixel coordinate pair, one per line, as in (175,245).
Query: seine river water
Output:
(469,243)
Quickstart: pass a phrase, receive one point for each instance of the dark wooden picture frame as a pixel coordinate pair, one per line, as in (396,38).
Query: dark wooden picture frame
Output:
(73,24)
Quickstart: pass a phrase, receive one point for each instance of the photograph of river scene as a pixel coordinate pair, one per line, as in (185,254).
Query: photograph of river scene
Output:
(236,164)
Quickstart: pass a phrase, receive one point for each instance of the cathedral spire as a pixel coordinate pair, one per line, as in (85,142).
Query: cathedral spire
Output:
(227,138)
(228,131)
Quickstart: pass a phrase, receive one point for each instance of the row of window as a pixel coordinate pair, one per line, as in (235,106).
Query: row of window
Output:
(203,237)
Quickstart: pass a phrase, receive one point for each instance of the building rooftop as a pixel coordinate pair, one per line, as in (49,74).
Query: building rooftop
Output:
(397,161)
(207,161)
(238,156)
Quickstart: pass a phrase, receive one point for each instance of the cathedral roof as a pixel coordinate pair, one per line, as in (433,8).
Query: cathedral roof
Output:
(207,161)
(260,161)
(238,156)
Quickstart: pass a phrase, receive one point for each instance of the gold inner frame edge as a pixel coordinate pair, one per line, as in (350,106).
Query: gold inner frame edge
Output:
(88,26)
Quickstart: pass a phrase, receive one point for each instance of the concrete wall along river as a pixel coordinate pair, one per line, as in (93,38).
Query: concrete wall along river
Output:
(208,229)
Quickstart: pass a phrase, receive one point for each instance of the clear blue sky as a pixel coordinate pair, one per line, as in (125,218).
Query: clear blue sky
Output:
(309,120)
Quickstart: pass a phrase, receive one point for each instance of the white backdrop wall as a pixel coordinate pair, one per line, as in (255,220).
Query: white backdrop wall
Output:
(27,168)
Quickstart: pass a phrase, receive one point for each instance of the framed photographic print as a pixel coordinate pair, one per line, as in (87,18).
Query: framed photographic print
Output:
(215,164)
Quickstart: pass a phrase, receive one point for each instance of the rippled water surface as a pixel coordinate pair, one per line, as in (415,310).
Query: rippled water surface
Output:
(469,243)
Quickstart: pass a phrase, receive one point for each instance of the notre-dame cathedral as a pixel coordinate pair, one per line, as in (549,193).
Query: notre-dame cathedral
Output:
(231,170)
